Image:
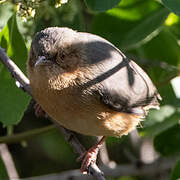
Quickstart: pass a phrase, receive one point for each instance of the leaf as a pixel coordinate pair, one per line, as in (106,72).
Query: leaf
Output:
(173,5)
(167,142)
(3,174)
(165,39)
(175,174)
(99,5)
(13,101)
(128,24)
(6,11)
(158,126)
(145,28)
(162,63)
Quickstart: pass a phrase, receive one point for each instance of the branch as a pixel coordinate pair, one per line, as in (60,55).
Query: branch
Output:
(120,170)
(18,75)
(8,162)
(25,135)
(104,157)
(143,170)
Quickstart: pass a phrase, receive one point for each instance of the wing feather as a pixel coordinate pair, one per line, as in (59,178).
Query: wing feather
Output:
(121,84)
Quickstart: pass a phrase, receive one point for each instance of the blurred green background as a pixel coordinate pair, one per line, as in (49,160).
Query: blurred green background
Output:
(147,31)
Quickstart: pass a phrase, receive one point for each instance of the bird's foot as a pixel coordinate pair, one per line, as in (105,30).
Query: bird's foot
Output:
(39,112)
(87,158)
(90,156)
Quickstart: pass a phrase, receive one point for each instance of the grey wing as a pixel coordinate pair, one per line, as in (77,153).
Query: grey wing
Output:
(121,83)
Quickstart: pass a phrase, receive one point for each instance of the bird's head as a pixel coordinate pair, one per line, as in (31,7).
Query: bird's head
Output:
(55,50)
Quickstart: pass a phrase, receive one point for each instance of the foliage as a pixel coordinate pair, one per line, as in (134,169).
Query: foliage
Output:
(172,5)
(147,31)
(12,41)
(101,5)
(3,174)
(176,173)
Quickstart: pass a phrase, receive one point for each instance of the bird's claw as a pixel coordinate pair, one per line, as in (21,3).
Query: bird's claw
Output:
(87,158)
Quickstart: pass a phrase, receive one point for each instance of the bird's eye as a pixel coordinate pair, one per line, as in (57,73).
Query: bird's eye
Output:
(62,56)
(58,57)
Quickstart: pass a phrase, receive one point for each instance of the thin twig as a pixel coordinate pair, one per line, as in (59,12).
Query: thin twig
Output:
(15,138)
(8,162)
(19,76)
(16,73)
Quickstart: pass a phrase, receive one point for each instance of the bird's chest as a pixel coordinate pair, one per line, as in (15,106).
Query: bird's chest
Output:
(79,109)
(58,102)
(66,103)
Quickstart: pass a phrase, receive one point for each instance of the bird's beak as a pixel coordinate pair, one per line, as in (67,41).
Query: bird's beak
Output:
(41,60)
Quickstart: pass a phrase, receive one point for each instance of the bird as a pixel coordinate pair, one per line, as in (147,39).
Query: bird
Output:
(88,85)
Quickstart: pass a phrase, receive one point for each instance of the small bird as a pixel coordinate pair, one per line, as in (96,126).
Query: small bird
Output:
(88,85)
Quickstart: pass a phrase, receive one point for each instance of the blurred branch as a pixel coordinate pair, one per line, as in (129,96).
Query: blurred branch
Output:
(149,63)
(104,157)
(8,162)
(87,16)
(103,154)
(15,138)
(18,75)
(143,170)
(135,140)
(147,151)
(120,170)
(144,149)
(165,81)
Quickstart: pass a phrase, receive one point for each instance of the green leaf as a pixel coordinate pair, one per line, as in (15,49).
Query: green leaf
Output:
(3,174)
(165,39)
(6,11)
(144,29)
(128,24)
(99,5)
(13,100)
(173,5)
(159,121)
(175,174)
(167,142)
(162,63)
